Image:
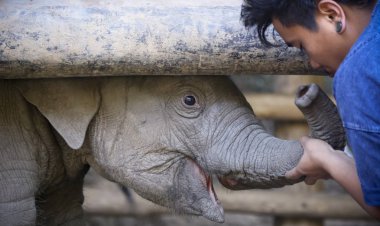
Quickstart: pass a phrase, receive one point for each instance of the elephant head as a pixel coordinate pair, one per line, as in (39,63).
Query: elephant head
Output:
(165,137)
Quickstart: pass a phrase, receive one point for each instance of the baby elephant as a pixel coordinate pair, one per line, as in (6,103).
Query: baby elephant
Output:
(161,136)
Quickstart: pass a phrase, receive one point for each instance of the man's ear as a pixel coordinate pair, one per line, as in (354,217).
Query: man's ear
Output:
(334,13)
(68,104)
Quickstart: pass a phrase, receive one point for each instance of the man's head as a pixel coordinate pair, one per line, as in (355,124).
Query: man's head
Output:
(325,29)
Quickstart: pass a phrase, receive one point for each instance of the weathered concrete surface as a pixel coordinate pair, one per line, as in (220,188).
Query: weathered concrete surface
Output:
(49,38)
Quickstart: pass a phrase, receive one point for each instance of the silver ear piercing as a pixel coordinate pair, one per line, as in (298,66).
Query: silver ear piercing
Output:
(339,26)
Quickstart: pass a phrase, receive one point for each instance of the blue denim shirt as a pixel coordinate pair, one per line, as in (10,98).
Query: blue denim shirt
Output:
(357,92)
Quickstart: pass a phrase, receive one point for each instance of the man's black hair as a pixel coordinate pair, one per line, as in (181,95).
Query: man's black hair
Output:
(288,12)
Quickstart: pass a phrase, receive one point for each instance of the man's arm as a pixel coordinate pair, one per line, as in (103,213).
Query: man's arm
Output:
(321,161)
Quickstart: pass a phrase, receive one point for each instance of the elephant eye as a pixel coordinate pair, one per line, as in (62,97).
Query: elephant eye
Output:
(187,103)
(190,100)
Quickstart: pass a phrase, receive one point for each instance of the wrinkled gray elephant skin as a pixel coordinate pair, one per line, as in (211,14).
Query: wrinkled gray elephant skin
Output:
(161,136)
(324,122)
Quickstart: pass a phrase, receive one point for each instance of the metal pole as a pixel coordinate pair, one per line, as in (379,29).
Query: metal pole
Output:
(49,38)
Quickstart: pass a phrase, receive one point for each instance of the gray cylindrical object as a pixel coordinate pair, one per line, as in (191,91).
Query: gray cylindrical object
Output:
(46,38)
(321,115)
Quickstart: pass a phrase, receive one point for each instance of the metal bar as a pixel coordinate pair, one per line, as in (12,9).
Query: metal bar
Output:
(48,38)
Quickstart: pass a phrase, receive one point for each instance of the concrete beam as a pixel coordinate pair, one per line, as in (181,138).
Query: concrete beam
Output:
(49,38)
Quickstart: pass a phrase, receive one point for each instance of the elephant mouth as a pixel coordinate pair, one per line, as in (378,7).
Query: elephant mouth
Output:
(202,184)
(230,183)
(209,184)
(211,191)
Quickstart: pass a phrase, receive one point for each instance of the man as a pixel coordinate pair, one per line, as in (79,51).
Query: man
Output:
(341,37)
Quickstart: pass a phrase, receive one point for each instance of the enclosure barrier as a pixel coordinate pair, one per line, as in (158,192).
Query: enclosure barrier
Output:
(49,38)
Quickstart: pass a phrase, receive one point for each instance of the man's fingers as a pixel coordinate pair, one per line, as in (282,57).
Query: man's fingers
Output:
(293,174)
(310,180)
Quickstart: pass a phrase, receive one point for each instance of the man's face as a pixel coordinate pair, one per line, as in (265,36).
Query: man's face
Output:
(325,48)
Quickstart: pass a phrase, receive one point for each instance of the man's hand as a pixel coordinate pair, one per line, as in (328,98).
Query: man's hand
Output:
(321,161)
(312,163)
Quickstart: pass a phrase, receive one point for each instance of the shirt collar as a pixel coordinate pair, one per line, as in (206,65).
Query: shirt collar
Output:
(376,9)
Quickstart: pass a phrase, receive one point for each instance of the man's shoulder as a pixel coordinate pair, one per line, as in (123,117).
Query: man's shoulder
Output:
(363,59)
(357,86)
(367,47)
(368,43)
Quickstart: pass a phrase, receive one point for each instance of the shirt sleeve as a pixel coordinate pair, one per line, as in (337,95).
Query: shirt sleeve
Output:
(367,158)
(357,92)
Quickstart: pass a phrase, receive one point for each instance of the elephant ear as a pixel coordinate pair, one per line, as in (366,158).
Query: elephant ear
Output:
(68,104)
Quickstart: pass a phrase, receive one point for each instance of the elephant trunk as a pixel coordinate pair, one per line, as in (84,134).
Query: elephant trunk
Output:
(321,116)
(264,160)
(260,160)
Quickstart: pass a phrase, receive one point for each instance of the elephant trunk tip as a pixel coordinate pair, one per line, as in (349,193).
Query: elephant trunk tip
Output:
(306,95)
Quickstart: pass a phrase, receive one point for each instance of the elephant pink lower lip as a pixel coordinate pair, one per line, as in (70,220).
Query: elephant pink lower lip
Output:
(231,182)
(228,182)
